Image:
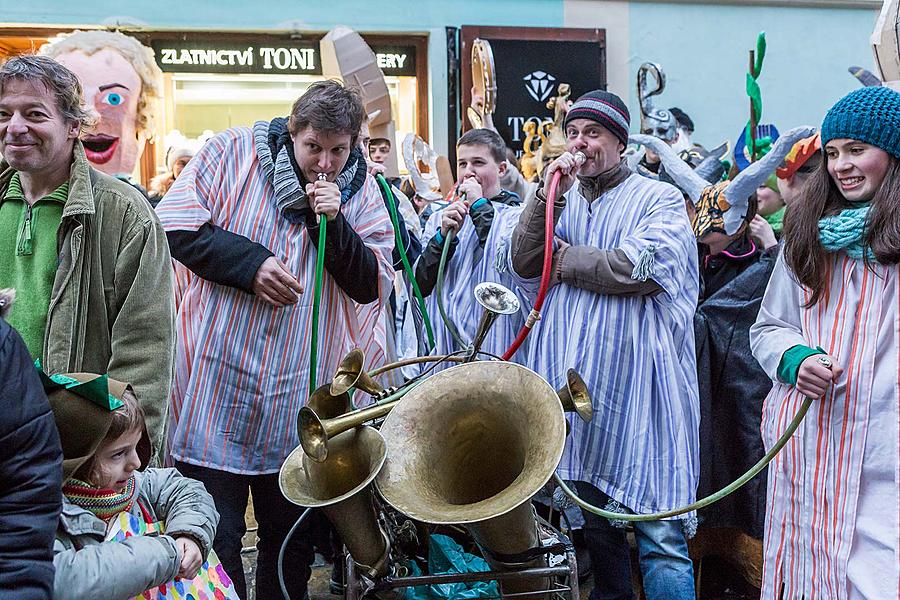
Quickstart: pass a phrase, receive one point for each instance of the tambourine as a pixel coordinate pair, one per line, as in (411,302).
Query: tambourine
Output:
(430,172)
(484,81)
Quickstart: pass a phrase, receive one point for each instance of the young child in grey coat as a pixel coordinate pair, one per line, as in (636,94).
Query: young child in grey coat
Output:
(105,451)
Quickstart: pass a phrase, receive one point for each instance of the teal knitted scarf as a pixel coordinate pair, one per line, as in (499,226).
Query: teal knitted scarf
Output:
(846,231)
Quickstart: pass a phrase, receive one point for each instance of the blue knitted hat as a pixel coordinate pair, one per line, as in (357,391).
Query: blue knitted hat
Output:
(870,115)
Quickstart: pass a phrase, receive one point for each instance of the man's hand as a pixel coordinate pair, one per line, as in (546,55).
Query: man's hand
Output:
(191,557)
(374,168)
(453,216)
(568,166)
(813,378)
(276,285)
(324,198)
(470,190)
(762,232)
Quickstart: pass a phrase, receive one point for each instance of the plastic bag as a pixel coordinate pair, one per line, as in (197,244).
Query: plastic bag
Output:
(446,556)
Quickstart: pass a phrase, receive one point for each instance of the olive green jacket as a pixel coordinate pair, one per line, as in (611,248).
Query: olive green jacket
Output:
(112,306)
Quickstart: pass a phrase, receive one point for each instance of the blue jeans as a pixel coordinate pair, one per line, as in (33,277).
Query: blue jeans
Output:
(667,570)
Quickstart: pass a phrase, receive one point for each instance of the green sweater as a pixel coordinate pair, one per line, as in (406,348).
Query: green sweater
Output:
(28,257)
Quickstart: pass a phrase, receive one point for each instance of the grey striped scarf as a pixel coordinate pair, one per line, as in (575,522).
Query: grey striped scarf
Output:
(290,191)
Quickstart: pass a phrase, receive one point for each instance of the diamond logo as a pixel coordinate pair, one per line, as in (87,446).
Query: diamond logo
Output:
(539,84)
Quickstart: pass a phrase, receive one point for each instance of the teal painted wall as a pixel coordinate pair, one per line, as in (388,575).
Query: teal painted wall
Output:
(704,52)
(388,15)
(423,16)
(702,48)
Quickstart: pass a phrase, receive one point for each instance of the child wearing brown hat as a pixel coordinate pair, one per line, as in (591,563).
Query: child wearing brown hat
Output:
(105,451)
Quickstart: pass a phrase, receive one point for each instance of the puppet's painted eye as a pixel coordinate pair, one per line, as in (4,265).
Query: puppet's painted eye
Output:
(113,99)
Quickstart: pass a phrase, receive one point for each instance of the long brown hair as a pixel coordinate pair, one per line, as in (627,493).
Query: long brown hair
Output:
(820,197)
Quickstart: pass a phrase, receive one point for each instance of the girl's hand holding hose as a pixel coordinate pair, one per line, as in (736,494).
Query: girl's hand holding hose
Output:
(816,373)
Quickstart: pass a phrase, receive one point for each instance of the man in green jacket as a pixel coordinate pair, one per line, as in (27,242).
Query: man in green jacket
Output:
(84,251)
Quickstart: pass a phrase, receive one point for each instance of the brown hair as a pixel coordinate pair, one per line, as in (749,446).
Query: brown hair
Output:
(126,419)
(62,84)
(485,137)
(820,197)
(329,107)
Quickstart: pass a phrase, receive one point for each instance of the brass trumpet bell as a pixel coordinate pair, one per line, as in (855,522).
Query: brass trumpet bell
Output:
(471,443)
(496,300)
(327,406)
(314,432)
(351,373)
(574,396)
(341,487)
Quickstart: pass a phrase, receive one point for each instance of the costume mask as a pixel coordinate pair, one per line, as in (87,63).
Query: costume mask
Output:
(656,122)
(112,86)
(119,77)
(723,209)
(422,163)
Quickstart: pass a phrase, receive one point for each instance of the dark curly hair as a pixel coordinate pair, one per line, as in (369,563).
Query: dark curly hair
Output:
(330,107)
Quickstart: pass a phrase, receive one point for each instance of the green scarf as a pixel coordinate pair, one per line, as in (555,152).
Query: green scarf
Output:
(846,231)
(776,220)
(103,503)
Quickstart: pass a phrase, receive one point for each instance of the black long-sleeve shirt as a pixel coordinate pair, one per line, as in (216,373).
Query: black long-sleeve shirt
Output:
(228,258)
(482,214)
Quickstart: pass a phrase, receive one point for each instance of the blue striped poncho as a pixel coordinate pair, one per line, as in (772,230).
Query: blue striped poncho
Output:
(636,354)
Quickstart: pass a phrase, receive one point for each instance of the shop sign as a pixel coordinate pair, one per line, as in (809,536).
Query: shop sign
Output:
(295,58)
(284,58)
(528,75)
(396,60)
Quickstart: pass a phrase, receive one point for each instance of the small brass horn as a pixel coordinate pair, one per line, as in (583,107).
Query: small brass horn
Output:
(351,373)
(315,432)
(327,406)
(496,300)
(574,396)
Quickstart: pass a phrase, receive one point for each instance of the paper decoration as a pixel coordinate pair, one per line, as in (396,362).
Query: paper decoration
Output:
(212,583)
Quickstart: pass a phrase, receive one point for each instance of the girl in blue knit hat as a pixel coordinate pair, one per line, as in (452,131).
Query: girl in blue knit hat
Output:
(829,329)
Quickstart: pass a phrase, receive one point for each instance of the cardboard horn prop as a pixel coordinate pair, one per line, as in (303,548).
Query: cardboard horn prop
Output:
(345,55)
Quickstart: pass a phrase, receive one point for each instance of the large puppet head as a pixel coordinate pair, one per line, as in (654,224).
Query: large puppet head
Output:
(120,78)
(654,121)
(723,209)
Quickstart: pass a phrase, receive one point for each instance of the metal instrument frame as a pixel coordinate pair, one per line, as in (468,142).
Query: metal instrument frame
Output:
(564,575)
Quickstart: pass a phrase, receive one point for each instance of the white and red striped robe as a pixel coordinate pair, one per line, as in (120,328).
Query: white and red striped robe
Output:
(833,512)
(242,366)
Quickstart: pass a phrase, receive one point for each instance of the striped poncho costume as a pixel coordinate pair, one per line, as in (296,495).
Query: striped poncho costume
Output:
(242,368)
(833,507)
(635,353)
(466,269)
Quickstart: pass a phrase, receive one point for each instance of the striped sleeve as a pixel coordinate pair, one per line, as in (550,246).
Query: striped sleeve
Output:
(373,224)
(661,245)
(778,325)
(190,201)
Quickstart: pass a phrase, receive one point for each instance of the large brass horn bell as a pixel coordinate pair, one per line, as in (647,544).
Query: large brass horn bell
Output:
(351,373)
(574,396)
(471,445)
(341,487)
